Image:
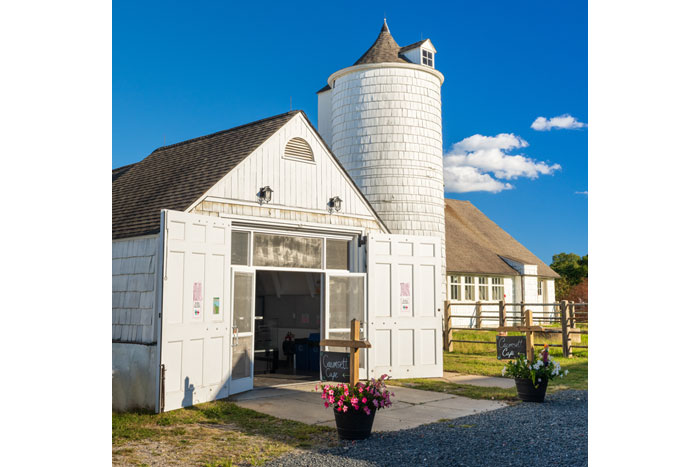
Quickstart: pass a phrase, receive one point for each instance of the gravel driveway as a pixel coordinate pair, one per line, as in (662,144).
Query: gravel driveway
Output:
(548,434)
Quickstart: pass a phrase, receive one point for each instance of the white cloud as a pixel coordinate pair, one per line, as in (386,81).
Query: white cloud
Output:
(581,192)
(470,163)
(466,179)
(565,122)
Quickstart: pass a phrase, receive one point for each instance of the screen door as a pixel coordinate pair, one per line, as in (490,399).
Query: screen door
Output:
(242,328)
(345,299)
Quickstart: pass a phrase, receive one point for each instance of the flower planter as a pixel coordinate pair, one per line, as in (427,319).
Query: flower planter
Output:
(527,392)
(354,424)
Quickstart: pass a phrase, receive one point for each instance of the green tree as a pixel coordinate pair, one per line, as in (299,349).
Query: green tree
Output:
(572,268)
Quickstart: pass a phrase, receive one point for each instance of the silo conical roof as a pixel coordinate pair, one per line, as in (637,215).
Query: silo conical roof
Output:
(385,49)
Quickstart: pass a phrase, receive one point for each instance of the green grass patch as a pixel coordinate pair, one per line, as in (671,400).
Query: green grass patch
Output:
(480,359)
(215,433)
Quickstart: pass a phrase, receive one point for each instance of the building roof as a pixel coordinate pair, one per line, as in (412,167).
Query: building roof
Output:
(408,47)
(385,49)
(119,171)
(174,177)
(476,244)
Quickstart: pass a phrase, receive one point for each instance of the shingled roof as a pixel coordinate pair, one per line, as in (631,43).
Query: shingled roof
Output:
(476,244)
(175,176)
(385,49)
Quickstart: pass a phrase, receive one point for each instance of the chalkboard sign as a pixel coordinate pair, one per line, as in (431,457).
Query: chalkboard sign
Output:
(510,346)
(335,366)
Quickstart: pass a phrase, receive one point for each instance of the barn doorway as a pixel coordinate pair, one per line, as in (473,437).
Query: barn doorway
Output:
(288,309)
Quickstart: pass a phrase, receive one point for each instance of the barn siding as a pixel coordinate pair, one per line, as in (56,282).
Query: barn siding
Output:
(295,184)
(133,289)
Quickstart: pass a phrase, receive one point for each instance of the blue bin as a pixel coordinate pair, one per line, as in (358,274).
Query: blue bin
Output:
(314,356)
(301,354)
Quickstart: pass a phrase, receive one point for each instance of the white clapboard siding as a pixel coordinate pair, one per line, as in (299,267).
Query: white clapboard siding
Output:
(295,183)
(133,289)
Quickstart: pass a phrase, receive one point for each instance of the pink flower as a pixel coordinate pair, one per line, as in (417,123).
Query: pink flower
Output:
(326,404)
(330,392)
(364,400)
(353,401)
(331,399)
(339,408)
(345,408)
(360,388)
(376,404)
(367,410)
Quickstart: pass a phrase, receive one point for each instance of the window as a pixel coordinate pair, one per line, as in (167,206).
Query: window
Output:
(539,287)
(483,289)
(455,288)
(427,58)
(337,254)
(469,288)
(298,149)
(239,247)
(497,289)
(287,251)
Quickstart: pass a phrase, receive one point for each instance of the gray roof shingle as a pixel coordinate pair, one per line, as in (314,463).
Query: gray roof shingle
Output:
(175,176)
(476,244)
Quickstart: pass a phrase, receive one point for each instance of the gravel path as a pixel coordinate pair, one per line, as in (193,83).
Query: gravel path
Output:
(548,434)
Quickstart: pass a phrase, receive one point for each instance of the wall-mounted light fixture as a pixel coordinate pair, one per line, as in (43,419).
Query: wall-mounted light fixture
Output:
(334,204)
(264,195)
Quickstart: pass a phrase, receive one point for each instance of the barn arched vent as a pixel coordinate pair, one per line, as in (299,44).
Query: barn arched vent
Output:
(299,149)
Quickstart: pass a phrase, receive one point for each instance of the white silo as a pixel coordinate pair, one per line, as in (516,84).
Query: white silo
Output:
(382,118)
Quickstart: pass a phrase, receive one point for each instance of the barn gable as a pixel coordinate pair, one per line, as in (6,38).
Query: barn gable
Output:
(200,175)
(303,174)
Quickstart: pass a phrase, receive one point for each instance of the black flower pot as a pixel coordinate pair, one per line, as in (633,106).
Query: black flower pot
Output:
(354,424)
(527,392)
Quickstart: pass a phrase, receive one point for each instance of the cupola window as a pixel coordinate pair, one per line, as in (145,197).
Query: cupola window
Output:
(298,149)
(427,58)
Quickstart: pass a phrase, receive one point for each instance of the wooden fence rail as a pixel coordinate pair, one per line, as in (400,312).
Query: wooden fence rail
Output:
(563,313)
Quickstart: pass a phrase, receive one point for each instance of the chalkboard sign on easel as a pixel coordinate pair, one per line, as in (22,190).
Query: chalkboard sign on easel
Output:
(508,347)
(335,366)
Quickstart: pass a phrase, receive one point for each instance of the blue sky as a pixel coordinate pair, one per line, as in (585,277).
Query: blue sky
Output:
(186,69)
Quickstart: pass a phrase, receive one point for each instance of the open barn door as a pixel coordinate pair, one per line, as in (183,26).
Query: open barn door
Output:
(196,314)
(405,323)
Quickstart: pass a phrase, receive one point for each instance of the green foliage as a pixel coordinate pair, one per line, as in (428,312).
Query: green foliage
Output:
(572,268)
(541,370)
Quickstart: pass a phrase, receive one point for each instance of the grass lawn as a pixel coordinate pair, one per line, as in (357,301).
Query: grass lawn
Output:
(480,359)
(213,434)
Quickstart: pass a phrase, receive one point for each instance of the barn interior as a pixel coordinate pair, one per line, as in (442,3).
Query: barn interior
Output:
(287,327)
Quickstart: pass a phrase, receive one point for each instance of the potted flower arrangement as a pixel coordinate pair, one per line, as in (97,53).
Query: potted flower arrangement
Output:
(531,379)
(354,407)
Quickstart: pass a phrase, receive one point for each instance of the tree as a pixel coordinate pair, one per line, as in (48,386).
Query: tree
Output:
(572,268)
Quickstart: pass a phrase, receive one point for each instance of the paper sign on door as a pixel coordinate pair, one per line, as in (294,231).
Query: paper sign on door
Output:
(197,299)
(406,298)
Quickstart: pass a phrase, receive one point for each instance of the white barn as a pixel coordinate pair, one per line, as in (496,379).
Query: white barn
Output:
(207,276)
(225,245)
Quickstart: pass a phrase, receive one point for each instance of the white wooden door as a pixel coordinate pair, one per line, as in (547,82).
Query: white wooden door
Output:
(196,318)
(404,313)
(243,329)
(345,299)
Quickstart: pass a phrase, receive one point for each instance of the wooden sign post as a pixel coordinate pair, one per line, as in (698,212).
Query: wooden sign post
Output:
(355,344)
(529,331)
